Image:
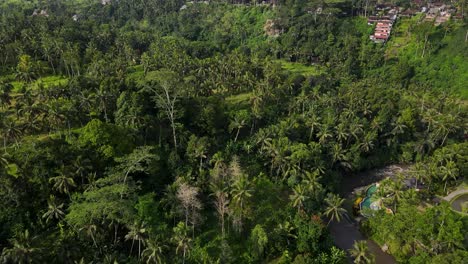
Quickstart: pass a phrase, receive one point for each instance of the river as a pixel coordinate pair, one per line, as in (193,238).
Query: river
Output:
(346,232)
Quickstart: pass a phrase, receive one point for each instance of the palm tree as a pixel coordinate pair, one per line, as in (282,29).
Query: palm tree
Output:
(368,141)
(154,251)
(102,98)
(312,182)
(54,211)
(90,231)
(341,133)
(314,123)
(11,130)
(26,69)
(396,187)
(324,133)
(137,232)
(237,123)
(55,114)
(449,172)
(62,183)
(419,173)
(241,191)
(287,229)
(360,253)
(278,151)
(398,127)
(299,197)
(182,240)
(334,208)
(355,129)
(22,250)
(200,149)
(256,102)
(424,145)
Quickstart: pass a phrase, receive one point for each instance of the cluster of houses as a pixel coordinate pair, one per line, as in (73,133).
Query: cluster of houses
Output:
(436,12)
(439,13)
(383,27)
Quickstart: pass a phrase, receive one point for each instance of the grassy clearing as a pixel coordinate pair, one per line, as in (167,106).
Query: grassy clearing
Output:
(238,101)
(299,68)
(136,73)
(46,81)
(401,38)
(53,80)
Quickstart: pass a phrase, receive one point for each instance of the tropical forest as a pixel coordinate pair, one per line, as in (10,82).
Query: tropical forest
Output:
(233,131)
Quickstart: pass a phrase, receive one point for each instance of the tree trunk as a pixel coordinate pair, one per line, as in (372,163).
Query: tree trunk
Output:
(115,233)
(139,249)
(237,134)
(222,224)
(365,9)
(424,47)
(174,134)
(131,249)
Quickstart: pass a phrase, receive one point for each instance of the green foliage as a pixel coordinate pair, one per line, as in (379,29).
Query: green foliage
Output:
(107,139)
(259,240)
(164,131)
(312,237)
(410,227)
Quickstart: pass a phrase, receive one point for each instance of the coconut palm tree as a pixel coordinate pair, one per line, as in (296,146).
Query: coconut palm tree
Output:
(154,251)
(238,122)
(314,123)
(62,183)
(449,172)
(368,141)
(241,191)
(419,173)
(11,130)
(90,231)
(22,251)
(360,253)
(324,133)
(334,209)
(182,240)
(54,210)
(299,197)
(312,181)
(396,187)
(137,233)
(341,133)
(278,151)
